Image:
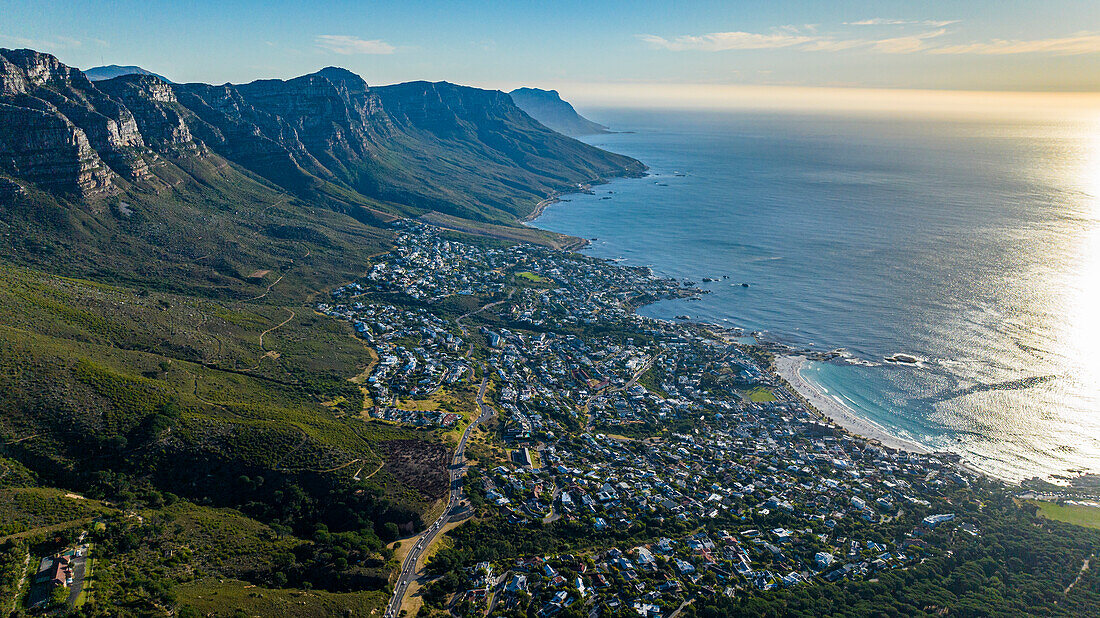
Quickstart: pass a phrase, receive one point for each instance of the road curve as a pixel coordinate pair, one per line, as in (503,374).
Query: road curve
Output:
(426,538)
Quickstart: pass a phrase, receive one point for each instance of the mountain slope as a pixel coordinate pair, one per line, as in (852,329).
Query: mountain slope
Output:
(517,161)
(547,107)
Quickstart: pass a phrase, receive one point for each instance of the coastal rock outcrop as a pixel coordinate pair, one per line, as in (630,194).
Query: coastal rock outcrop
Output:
(547,107)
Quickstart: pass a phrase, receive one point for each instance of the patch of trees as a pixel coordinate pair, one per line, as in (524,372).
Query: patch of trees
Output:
(1019,565)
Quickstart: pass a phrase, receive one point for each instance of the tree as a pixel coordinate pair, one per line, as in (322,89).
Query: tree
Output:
(390,532)
(59,596)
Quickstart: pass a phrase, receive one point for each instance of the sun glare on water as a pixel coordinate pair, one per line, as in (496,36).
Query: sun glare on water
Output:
(1050,409)
(1078,339)
(1083,311)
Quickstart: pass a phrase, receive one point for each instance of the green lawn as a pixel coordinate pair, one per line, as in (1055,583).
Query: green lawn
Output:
(760,395)
(530,276)
(1079,515)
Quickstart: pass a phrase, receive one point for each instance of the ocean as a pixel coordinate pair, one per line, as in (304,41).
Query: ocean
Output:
(973,246)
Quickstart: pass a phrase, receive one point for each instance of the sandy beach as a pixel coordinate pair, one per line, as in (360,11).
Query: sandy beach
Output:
(788,367)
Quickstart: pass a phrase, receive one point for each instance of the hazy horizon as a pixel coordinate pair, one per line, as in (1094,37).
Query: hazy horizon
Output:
(943,103)
(708,46)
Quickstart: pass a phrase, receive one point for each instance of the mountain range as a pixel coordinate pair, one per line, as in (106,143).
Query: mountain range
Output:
(110,71)
(407,148)
(162,250)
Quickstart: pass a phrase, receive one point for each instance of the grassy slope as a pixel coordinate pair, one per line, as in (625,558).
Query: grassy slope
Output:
(26,510)
(85,363)
(131,363)
(214,597)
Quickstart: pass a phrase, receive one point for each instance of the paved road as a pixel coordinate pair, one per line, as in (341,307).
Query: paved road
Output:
(457,470)
(677,611)
(80,565)
(555,514)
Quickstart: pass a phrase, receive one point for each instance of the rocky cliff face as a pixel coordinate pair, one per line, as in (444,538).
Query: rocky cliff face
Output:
(445,109)
(156,111)
(327,135)
(53,104)
(43,147)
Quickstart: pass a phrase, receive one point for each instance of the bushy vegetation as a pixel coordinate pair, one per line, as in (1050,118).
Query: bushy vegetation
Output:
(28,508)
(13,563)
(132,371)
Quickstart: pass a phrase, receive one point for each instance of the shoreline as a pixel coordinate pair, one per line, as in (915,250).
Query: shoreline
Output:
(539,208)
(583,187)
(788,368)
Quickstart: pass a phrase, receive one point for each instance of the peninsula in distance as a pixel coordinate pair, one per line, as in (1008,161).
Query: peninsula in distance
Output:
(276,340)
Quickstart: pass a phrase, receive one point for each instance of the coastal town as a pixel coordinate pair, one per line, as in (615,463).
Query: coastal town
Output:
(687,465)
(317,311)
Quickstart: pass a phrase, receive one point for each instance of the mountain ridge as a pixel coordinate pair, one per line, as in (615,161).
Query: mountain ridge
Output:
(326,136)
(163,248)
(550,109)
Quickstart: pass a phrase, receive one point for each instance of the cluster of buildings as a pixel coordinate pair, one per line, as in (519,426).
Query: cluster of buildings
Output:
(418,352)
(416,418)
(558,376)
(640,424)
(782,500)
(60,574)
(550,288)
(426,267)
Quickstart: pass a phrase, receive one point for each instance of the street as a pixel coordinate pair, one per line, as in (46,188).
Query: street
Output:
(426,538)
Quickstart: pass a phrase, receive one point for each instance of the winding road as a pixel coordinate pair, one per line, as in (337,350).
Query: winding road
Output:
(426,538)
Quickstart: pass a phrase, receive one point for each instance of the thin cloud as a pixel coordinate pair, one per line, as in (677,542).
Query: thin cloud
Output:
(69,41)
(1080,43)
(788,37)
(55,43)
(722,41)
(725,41)
(907,44)
(882,21)
(350,45)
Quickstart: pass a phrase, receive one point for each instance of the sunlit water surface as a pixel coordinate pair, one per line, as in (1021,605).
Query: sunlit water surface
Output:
(973,246)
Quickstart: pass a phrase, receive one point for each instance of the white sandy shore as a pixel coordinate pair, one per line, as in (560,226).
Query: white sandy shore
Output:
(788,368)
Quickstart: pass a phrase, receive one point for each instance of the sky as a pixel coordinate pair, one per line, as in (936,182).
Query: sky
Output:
(641,49)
